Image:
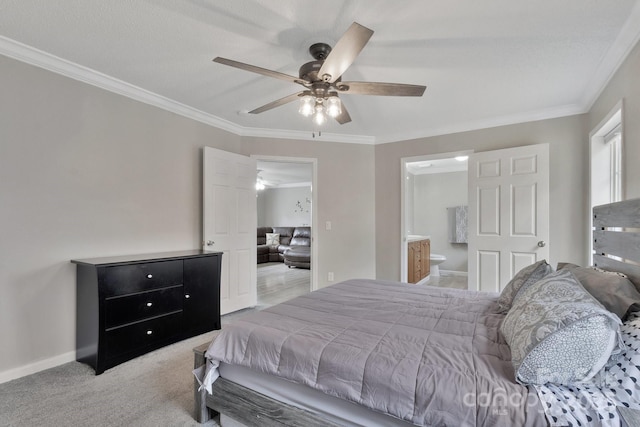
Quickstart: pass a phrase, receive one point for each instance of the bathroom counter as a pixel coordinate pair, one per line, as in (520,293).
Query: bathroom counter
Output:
(417,237)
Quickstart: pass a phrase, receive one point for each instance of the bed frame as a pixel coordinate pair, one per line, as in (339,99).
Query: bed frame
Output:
(616,238)
(616,243)
(247,406)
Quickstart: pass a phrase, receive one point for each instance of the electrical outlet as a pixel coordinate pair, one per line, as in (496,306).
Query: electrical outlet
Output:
(330,276)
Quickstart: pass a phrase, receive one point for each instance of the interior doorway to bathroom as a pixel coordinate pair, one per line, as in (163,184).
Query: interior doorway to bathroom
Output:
(434,206)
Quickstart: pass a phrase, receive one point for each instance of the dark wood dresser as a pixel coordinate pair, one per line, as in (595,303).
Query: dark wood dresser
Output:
(129,305)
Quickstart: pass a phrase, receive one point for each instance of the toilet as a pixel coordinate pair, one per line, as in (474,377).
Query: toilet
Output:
(435,260)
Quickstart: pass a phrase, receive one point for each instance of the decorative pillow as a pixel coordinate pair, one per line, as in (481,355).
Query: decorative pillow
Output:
(613,290)
(273,239)
(523,278)
(558,333)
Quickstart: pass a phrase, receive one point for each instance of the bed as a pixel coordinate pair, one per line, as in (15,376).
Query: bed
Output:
(378,353)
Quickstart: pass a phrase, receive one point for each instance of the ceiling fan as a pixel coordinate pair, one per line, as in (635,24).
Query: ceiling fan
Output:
(322,78)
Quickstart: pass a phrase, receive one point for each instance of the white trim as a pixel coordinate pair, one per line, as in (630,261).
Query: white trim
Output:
(304,135)
(38,366)
(314,207)
(597,134)
(424,281)
(444,273)
(288,185)
(47,61)
(626,40)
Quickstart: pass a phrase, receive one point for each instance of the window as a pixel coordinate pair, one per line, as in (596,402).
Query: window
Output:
(605,152)
(614,140)
(606,160)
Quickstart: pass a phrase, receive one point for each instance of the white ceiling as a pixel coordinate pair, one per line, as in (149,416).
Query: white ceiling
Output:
(426,167)
(485,63)
(284,174)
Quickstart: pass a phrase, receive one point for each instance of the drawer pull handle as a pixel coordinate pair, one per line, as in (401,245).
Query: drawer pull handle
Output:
(149,304)
(149,332)
(187,296)
(149,276)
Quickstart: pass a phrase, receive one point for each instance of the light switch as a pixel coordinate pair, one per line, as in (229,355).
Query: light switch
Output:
(328,225)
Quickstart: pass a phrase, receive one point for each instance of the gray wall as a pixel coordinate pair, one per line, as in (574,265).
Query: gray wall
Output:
(568,140)
(345,191)
(625,85)
(87,173)
(84,173)
(433,194)
(278,207)
(568,153)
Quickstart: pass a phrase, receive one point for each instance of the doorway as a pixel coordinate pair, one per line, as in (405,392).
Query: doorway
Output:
(508,213)
(285,200)
(435,194)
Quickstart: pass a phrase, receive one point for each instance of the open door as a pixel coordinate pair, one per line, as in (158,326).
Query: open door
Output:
(508,213)
(229,224)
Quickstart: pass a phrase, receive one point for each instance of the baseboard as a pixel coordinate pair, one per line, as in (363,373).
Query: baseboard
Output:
(38,366)
(453,273)
(424,281)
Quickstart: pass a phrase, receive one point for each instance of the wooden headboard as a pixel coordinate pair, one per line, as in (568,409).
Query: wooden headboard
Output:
(616,238)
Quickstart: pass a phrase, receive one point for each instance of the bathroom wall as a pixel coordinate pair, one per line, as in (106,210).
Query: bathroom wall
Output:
(433,194)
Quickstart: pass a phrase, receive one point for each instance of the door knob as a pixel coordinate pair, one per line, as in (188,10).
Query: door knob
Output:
(210,242)
(542,243)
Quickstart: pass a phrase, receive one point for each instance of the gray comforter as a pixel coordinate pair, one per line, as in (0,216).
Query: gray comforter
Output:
(427,355)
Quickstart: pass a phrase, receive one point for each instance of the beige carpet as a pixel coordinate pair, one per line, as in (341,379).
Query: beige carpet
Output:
(153,390)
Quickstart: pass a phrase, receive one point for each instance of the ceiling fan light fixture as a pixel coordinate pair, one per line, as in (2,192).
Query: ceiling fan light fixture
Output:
(307,105)
(319,117)
(322,78)
(334,107)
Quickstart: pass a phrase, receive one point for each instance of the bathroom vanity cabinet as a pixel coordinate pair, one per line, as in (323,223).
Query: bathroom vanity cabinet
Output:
(418,254)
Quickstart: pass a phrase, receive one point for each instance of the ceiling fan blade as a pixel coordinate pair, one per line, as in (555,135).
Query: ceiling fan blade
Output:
(381,89)
(276,103)
(345,52)
(344,116)
(259,70)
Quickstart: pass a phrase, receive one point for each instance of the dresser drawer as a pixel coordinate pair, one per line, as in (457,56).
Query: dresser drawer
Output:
(136,336)
(128,279)
(120,310)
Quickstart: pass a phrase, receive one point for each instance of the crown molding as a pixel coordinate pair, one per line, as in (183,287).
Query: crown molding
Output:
(512,119)
(306,135)
(627,39)
(30,55)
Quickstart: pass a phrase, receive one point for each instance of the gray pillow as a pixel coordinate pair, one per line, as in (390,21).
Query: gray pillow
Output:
(614,291)
(558,333)
(523,278)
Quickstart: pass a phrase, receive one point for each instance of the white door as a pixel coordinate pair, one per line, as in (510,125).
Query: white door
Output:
(508,213)
(229,224)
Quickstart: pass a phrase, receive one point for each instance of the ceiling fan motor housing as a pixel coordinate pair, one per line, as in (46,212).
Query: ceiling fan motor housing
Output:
(309,73)
(319,51)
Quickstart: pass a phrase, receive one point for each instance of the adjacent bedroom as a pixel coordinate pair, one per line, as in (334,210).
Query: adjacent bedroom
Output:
(366,213)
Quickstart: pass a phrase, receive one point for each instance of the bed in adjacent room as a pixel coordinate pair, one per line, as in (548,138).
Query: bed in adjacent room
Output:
(554,348)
